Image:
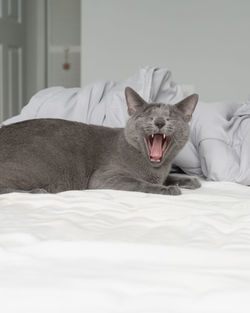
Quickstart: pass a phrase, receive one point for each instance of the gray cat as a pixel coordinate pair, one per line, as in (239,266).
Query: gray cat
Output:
(53,155)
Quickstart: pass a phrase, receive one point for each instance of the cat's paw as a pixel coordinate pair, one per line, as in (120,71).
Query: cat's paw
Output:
(173,190)
(191,183)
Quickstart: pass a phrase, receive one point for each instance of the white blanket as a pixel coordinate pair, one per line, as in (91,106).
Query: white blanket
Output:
(219,146)
(126,252)
(100,103)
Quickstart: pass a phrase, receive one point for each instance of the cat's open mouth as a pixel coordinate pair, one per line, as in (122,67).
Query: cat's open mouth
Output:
(157,145)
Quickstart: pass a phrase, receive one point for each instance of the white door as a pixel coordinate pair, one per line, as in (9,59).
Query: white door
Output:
(12,42)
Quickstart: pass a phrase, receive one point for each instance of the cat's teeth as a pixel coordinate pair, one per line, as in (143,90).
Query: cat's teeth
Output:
(153,160)
(152,136)
(164,136)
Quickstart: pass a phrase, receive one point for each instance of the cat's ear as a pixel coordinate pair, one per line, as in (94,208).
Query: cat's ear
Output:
(134,101)
(187,106)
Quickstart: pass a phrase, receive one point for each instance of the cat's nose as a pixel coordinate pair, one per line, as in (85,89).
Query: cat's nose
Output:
(159,122)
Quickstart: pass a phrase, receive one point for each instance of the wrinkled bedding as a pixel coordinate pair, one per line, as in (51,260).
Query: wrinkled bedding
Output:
(113,251)
(219,145)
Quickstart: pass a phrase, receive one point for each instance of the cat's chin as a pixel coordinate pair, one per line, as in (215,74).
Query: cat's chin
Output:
(157,145)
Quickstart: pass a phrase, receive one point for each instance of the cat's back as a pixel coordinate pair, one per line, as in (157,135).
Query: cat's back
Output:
(52,129)
(51,154)
(54,137)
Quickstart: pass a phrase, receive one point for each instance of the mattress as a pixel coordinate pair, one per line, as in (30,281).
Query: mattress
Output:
(116,251)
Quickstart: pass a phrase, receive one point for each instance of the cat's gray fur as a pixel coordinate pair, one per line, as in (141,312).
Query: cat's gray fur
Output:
(54,155)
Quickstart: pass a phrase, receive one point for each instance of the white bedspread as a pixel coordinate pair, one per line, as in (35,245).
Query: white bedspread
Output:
(112,251)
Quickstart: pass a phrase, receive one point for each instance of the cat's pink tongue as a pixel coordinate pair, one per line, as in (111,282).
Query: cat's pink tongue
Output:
(156,149)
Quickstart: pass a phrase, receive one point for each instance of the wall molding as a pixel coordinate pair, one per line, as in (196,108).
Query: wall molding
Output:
(1,82)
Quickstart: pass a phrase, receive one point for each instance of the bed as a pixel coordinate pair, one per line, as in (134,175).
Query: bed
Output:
(115,251)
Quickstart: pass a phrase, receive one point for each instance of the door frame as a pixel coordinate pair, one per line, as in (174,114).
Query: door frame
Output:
(36,46)
(42,36)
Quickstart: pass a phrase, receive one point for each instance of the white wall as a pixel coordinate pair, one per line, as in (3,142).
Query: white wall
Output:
(204,42)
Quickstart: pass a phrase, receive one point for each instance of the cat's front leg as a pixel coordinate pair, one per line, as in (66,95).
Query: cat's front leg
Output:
(127,183)
(183,181)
